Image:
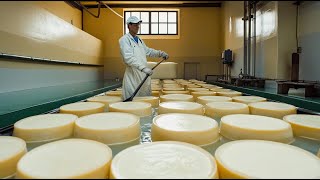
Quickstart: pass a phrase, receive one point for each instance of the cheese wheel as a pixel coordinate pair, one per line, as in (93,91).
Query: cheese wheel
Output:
(11,150)
(229,94)
(156,88)
(272,109)
(114,93)
(221,90)
(207,99)
(105,99)
(83,108)
(180,107)
(190,128)
(176,97)
(171,86)
(67,159)
(168,82)
(191,86)
(243,126)
(202,93)
(141,109)
(304,125)
(175,92)
(216,88)
(208,86)
(197,89)
(155,93)
(154,101)
(248,99)
(108,128)
(164,160)
(45,127)
(258,159)
(220,109)
(173,89)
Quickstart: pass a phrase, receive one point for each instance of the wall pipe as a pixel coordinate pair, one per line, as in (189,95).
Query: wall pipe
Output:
(254,37)
(244,37)
(249,38)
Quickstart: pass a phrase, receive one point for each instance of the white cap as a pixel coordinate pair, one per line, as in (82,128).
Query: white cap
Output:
(133,19)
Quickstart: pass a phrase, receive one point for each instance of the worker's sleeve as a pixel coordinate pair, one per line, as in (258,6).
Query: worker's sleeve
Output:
(127,53)
(151,52)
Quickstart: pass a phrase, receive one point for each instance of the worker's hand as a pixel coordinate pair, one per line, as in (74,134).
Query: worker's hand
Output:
(164,55)
(147,71)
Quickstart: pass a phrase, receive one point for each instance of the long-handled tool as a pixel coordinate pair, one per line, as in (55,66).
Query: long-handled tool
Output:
(147,75)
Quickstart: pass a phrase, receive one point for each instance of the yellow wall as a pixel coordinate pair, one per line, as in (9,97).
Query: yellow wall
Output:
(28,29)
(200,40)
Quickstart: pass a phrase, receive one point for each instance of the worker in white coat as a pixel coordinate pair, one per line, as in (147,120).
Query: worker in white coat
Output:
(134,52)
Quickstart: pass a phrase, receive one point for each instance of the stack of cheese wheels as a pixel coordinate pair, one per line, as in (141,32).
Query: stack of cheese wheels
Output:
(173,89)
(248,99)
(175,92)
(258,159)
(245,126)
(229,93)
(117,130)
(42,129)
(202,93)
(114,93)
(164,160)
(141,109)
(207,99)
(176,97)
(155,93)
(191,128)
(272,109)
(304,125)
(83,108)
(154,101)
(157,88)
(66,159)
(12,149)
(181,107)
(105,100)
(197,89)
(217,110)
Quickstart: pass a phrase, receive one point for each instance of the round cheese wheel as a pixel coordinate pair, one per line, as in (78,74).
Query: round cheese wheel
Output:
(45,127)
(190,128)
(155,93)
(197,89)
(175,92)
(164,160)
(248,99)
(272,109)
(220,109)
(243,126)
(156,88)
(108,128)
(11,151)
(216,88)
(69,158)
(171,86)
(304,125)
(221,90)
(105,99)
(141,109)
(176,97)
(180,107)
(229,94)
(207,99)
(83,108)
(169,82)
(154,101)
(173,89)
(202,93)
(114,93)
(258,159)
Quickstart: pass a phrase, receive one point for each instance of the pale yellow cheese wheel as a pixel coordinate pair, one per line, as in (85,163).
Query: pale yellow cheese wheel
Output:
(221,90)
(304,125)
(248,99)
(189,128)
(45,127)
(196,94)
(105,99)
(141,109)
(216,88)
(186,86)
(258,159)
(173,89)
(168,82)
(207,99)
(229,94)
(220,109)
(164,160)
(82,108)
(246,126)
(272,109)
(175,92)
(67,159)
(156,88)
(155,93)
(154,101)
(176,97)
(114,93)
(180,107)
(197,89)
(11,151)
(171,86)
(108,128)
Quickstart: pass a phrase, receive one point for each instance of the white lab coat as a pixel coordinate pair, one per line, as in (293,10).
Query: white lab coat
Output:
(134,56)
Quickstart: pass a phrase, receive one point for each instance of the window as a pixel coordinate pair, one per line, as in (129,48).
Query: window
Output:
(155,22)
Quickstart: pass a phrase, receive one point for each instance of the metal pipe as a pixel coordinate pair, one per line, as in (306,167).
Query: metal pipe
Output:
(86,9)
(244,37)
(249,38)
(254,37)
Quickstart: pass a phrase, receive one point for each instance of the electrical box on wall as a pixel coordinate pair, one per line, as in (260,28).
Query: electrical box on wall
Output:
(227,57)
